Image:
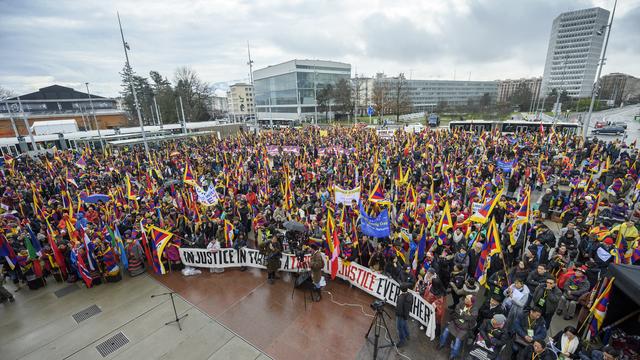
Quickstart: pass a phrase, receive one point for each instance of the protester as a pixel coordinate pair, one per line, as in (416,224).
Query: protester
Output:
(403,307)
(460,325)
(536,351)
(568,343)
(574,288)
(528,328)
(55,230)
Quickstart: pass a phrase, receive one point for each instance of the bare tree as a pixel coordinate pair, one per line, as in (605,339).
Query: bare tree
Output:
(342,96)
(324,97)
(379,96)
(195,93)
(6,93)
(400,93)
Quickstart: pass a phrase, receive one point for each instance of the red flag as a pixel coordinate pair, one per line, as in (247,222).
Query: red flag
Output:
(56,252)
(145,244)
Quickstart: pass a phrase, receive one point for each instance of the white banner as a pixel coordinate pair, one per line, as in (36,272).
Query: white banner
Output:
(345,196)
(367,280)
(208,198)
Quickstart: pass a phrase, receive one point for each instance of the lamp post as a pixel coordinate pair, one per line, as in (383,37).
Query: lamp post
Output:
(587,121)
(133,90)
(95,119)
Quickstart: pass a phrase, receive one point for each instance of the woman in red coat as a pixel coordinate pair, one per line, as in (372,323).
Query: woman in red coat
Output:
(436,296)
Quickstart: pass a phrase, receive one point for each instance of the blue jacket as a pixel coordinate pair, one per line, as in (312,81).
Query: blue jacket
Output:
(521,326)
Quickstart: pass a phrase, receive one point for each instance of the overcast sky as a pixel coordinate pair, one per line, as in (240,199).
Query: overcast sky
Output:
(71,42)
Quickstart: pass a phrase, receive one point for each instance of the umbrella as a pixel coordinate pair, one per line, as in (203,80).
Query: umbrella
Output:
(294,226)
(94,198)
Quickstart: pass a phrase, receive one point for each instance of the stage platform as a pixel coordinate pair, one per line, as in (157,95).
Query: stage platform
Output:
(40,325)
(273,317)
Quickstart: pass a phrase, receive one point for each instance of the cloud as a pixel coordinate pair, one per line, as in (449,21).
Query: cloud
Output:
(71,42)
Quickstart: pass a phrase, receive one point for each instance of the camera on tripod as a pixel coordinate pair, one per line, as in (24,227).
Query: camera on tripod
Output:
(378,305)
(295,242)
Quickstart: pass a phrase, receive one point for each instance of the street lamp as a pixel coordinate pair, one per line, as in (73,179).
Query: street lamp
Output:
(587,121)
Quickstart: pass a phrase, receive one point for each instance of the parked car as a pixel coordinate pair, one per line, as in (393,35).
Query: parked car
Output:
(621,124)
(609,130)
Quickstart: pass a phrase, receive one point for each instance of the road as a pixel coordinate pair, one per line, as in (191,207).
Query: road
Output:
(624,114)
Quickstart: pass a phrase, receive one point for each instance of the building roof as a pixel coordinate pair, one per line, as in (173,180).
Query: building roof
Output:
(56,92)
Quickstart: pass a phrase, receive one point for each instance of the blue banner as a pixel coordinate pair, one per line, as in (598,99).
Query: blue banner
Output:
(377,227)
(505,166)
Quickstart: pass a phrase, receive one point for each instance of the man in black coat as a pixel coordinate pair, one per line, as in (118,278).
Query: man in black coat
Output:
(403,308)
(493,335)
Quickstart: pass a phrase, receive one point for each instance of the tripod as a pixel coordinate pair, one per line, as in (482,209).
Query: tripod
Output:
(378,322)
(301,280)
(175,312)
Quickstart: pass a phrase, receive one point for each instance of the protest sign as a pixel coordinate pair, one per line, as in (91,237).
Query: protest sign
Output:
(365,279)
(346,196)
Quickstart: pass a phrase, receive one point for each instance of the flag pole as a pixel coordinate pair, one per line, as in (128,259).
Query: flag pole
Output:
(125,46)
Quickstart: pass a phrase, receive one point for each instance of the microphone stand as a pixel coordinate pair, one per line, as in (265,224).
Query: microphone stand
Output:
(175,312)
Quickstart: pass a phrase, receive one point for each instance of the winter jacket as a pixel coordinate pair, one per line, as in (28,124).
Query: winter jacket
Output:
(546,299)
(403,306)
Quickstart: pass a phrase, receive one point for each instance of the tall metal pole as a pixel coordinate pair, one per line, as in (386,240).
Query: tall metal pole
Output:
(184,120)
(564,72)
(95,119)
(254,112)
(315,96)
(125,46)
(26,125)
(355,103)
(157,112)
(587,121)
(13,122)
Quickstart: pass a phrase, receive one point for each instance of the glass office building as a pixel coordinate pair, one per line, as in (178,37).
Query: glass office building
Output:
(287,90)
(574,51)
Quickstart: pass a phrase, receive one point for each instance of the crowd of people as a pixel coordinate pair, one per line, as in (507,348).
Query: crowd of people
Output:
(473,219)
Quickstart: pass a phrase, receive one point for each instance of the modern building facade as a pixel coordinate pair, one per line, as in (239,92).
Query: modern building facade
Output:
(508,87)
(288,90)
(574,51)
(218,106)
(241,102)
(59,103)
(618,88)
(426,95)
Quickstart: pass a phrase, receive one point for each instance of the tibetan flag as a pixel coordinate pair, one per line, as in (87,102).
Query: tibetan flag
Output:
(71,180)
(328,231)
(482,215)
(445,224)
(541,175)
(491,247)
(81,163)
(7,252)
(159,240)
(522,215)
(130,194)
(430,198)
(335,253)
(635,255)
(117,243)
(85,274)
(377,195)
(56,252)
(145,244)
(189,177)
(599,309)
(87,241)
(228,233)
